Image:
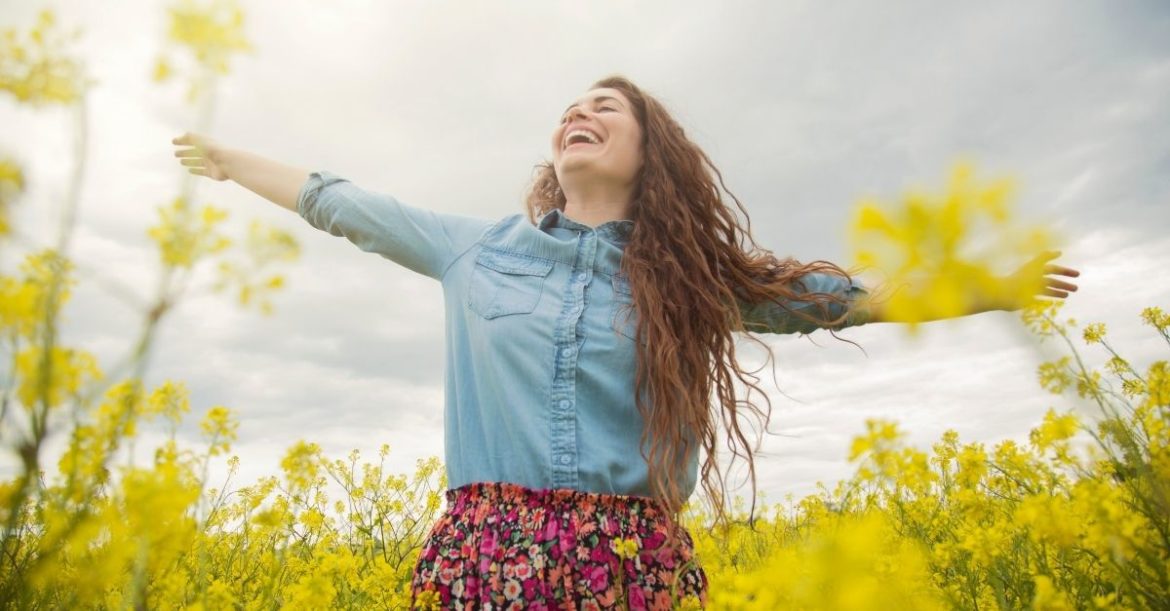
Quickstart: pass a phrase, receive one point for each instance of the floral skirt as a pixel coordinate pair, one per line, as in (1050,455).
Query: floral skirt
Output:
(505,546)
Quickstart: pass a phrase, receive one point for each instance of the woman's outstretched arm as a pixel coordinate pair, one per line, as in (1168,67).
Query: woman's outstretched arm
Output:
(274,181)
(1039,266)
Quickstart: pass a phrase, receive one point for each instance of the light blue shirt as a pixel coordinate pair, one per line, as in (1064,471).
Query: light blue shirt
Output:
(540,354)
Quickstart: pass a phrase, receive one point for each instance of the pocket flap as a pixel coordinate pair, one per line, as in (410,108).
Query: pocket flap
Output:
(621,284)
(510,263)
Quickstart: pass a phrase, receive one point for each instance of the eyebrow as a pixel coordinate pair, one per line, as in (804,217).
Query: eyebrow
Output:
(596,99)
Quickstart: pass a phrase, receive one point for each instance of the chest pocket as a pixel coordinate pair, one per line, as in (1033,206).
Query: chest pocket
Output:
(625,319)
(504,283)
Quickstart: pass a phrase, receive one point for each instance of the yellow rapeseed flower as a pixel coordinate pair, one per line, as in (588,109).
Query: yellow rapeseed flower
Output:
(55,379)
(1156,318)
(182,239)
(212,30)
(219,428)
(1094,333)
(1048,598)
(11,186)
(945,255)
(625,548)
(428,600)
(1054,430)
(37,70)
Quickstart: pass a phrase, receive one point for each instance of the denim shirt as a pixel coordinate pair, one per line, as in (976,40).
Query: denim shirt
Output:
(540,354)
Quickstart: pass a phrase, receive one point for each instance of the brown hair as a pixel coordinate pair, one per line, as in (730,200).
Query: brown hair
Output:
(690,267)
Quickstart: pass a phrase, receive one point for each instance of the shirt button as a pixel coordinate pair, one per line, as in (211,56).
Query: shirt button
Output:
(580,275)
(566,459)
(565,403)
(566,351)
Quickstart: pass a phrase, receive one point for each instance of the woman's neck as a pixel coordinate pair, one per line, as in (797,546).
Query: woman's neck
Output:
(597,204)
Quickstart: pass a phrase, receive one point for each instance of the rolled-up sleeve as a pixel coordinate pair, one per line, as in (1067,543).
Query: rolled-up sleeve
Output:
(772,317)
(420,240)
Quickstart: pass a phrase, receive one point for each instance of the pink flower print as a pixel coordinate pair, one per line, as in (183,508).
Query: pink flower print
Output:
(567,543)
(530,589)
(598,578)
(446,574)
(489,543)
(665,558)
(654,541)
(590,605)
(523,570)
(550,531)
(637,597)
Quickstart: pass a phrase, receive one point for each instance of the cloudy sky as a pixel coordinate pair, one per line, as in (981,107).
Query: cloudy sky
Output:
(804,106)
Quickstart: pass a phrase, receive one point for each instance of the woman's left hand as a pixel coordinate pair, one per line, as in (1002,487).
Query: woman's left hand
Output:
(1040,267)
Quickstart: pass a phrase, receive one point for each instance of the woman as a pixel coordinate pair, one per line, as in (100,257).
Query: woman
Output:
(584,342)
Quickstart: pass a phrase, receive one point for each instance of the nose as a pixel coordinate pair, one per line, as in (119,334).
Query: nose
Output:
(574,112)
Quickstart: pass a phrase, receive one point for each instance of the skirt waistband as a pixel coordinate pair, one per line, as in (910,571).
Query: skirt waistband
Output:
(507,494)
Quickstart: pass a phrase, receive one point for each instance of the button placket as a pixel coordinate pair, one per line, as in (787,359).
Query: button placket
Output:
(563,418)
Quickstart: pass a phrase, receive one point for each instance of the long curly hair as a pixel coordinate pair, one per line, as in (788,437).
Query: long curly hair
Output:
(691,265)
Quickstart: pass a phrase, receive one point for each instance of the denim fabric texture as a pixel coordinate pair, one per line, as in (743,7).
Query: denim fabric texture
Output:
(540,354)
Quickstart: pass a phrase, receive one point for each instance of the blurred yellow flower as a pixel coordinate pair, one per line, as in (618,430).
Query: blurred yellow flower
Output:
(37,70)
(182,240)
(1055,429)
(162,70)
(51,380)
(219,428)
(950,254)
(212,30)
(11,186)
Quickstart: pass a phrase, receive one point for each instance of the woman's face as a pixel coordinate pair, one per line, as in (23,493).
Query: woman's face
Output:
(598,138)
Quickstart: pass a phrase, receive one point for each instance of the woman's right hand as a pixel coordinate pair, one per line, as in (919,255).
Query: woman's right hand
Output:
(202,158)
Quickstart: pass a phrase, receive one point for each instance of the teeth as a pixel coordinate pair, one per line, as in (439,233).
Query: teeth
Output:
(588,134)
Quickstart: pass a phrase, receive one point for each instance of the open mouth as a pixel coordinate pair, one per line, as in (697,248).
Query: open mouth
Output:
(581,137)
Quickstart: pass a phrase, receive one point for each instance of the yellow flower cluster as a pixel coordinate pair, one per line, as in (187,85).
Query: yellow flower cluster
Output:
(1038,527)
(35,67)
(264,246)
(948,255)
(11,186)
(184,239)
(212,31)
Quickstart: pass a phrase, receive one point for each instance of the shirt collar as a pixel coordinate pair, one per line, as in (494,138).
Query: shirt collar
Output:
(616,231)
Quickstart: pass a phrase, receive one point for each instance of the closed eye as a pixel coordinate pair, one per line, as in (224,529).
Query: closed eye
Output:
(610,108)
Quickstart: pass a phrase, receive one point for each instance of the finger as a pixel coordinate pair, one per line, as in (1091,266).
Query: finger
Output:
(1047,255)
(1054,293)
(199,163)
(199,171)
(184,139)
(1060,284)
(1060,270)
(188,153)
